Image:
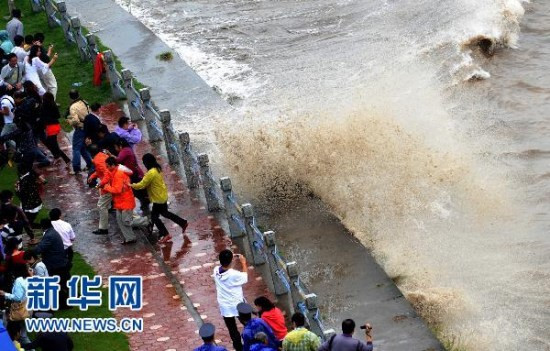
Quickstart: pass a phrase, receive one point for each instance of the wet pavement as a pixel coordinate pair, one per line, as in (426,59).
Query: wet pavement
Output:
(179,292)
(350,284)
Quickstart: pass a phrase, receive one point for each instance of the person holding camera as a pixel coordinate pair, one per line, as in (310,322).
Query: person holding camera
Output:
(229,291)
(346,342)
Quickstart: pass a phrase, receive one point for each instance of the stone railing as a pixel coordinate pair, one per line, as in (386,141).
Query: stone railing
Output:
(259,246)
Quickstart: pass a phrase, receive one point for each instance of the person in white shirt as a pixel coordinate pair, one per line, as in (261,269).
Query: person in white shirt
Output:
(229,288)
(66,232)
(18,50)
(34,67)
(7,107)
(38,267)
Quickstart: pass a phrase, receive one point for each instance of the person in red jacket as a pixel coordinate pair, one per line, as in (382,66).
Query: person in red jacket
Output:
(102,176)
(272,315)
(123,198)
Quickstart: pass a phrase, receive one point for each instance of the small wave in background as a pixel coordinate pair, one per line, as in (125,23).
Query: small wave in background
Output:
(422,124)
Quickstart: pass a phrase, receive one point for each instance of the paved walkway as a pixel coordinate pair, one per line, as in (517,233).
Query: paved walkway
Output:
(179,292)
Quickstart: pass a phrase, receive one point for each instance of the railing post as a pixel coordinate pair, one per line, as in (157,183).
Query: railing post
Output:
(65,24)
(92,46)
(190,164)
(293,275)
(134,101)
(50,13)
(232,214)
(248,214)
(313,314)
(35,5)
(278,286)
(150,121)
(169,137)
(112,75)
(208,184)
(82,46)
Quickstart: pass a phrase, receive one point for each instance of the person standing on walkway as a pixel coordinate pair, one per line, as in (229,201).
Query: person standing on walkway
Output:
(92,123)
(102,175)
(346,342)
(272,315)
(50,120)
(78,110)
(229,291)
(66,232)
(253,326)
(158,195)
(128,131)
(15,26)
(301,339)
(55,258)
(206,332)
(123,198)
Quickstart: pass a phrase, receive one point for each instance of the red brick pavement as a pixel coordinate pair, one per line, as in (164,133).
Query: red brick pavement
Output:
(190,259)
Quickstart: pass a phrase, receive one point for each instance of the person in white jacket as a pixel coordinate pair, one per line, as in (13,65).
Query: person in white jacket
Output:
(34,67)
(229,288)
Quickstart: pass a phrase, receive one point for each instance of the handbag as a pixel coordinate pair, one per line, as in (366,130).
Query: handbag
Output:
(53,129)
(18,311)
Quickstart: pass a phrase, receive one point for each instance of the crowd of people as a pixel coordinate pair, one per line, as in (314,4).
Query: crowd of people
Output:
(267,331)
(30,129)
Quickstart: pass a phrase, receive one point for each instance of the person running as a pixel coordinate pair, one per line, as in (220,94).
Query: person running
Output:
(101,177)
(123,200)
(158,195)
(127,157)
(50,119)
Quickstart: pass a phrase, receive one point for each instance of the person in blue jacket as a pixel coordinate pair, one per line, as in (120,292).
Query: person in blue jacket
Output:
(252,326)
(207,332)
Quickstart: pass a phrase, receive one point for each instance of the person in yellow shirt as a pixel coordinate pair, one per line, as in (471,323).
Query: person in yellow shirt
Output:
(153,182)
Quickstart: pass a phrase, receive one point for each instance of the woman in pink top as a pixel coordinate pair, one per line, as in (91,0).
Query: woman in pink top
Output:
(272,316)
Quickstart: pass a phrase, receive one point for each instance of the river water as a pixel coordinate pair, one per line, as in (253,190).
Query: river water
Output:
(433,154)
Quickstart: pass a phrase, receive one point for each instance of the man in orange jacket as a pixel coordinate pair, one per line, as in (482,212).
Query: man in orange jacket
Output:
(123,198)
(104,177)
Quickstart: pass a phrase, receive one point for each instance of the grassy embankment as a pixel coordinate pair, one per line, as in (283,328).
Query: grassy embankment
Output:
(70,69)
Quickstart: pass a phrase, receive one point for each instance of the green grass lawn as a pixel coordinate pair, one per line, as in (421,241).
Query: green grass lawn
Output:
(69,69)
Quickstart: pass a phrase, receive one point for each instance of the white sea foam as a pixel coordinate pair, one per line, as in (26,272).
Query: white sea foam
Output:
(233,80)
